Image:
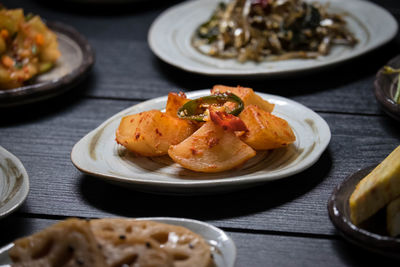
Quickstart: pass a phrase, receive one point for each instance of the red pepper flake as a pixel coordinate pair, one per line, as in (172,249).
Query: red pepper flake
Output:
(194,151)
(39,39)
(4,33)
(7,61)
(212,142)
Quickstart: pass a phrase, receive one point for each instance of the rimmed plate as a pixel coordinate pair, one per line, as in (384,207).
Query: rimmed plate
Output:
(372,235)
(385,88)
(77,58)
(14,183)
(98,154)
(223,247)
(170,39)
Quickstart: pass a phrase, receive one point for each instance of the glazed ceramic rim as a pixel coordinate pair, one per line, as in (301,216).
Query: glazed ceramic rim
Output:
(24,188)
(43,90)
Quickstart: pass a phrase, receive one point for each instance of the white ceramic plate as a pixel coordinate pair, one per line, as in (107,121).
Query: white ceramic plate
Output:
(223,247)
(14,183)
(170,39)
(98,154)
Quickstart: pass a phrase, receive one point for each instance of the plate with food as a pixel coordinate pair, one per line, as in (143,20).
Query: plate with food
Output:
(39,59)
(267,37)
(14,183)
(159,241)
(387,88)
(365,208)
(225,139)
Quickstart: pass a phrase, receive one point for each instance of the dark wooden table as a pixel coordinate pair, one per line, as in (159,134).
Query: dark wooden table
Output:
(283,223)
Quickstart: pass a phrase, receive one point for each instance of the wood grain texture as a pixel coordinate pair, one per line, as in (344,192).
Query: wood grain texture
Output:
(127,69)
(254,249)
(283,223)
(295,204)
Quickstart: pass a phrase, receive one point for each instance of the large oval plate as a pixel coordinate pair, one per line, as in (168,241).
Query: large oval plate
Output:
(223,247)
(170,39)
(77,58)
(14,183)
(98,154)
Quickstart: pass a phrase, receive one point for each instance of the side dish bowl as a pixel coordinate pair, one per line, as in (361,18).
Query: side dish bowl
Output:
(223,247)
(371,236)
(385,88)
(98,154)
(77,58)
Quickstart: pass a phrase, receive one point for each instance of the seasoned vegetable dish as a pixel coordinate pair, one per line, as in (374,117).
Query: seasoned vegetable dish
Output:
(210,134)
(112,242)
(379,189)
(257,30)
(27,48)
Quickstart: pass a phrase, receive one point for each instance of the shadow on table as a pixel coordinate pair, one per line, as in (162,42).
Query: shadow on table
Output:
(9,233)
(125,202)
(305,83)
(352,255)
(390,126)
(106,7)
(15,226)
(42,109)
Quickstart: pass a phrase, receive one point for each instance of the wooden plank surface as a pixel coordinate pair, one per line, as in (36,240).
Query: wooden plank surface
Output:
(284,223)
(253,249)
(127,69)
(296,204)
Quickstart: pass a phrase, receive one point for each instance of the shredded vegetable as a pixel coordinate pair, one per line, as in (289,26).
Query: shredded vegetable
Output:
(257,30)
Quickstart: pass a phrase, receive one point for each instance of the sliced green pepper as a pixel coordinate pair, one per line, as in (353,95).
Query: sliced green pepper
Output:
(45,66)
(390,70)
(196,109)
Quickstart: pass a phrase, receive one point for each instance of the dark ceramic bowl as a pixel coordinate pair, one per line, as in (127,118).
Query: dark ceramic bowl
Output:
(372,234)
(76,60)
(385,89)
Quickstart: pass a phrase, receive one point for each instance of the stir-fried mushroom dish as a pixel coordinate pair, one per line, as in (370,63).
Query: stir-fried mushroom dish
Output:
(257,30)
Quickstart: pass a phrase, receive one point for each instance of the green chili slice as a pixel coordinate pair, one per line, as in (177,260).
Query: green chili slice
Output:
(390,70)
(196,109)
(45,66)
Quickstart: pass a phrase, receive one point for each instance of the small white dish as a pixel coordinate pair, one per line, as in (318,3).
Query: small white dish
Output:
(170,39)
(99,155)
(14,183)
(223,247)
